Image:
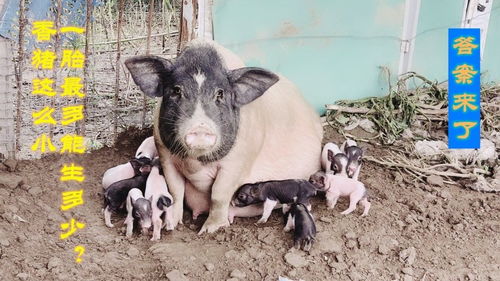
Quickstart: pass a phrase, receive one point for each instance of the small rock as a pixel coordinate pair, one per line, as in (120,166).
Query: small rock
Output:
(176,275)
(387,245)
(232,279)
(238,274)
(4,242)
(407,270)
(445,194)
(231,254)
(54,262)
(210,267)
(9,180)
(364,241)
(435,180)
(295,260)
(133,252)
(11,164)
(351,235)
(407,277)
(454,219)
(458,227)
(408,255)
(23,276)
(351,244)
(326,219)
(35,190)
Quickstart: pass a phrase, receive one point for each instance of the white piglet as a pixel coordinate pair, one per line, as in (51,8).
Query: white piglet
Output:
(337,186)
(161,200)
(147,149)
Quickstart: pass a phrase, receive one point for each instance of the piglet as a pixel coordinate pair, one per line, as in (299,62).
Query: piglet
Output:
(329,150)
(161,200)
(116,194)
(354,156)
(301,220)
(336,186)
(128,170)
(273,192)
(138,209)
(147,149)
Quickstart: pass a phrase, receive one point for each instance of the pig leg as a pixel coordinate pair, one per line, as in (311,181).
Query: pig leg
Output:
(268,208)
(354,199)
(331,199)
(157,224)
(285,208)
(223,189)
(129,221)
(366,206)
(175,182)
(107,217)
(169,220)
(289,223)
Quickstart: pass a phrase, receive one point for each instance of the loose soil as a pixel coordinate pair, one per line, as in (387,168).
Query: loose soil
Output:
(414,231)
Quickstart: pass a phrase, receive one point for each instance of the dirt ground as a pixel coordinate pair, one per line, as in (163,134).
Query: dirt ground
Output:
(413,232)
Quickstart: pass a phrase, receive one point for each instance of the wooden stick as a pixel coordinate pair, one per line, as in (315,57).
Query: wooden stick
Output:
(172,33)
(19,74)
(117,68)
(148,47)
(364,110)
(422,170)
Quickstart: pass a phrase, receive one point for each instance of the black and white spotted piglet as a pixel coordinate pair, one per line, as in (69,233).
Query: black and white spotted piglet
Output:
(301,221)
(116,194)
(272,193)
(138,209)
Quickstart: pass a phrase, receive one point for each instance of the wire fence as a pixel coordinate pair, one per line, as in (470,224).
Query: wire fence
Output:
(115,30)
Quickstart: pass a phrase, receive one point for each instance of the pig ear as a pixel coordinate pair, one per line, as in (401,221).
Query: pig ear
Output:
(149,73)
(330,155)
(250,83)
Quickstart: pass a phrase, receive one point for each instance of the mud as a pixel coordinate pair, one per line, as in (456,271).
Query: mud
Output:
(415,231)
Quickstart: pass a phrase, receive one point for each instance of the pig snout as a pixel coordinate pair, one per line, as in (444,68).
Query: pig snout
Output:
(200,137)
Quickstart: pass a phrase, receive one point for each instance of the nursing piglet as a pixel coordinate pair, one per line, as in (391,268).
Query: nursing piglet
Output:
(273,192)
(116,194)
(337,186)
(147,149)
(128,170)
(161,200)
(301,220)
(329,150)
(138,209)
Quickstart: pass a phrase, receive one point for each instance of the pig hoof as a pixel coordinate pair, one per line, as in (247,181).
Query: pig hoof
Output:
(286,229)
(211,225)
(154,238)
(261,221)
(110,225)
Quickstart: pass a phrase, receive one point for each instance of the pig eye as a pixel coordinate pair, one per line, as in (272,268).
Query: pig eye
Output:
(177,92)
(219,95)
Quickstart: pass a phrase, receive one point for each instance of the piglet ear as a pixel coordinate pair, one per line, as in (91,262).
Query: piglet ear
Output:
(149,73)
(250,83)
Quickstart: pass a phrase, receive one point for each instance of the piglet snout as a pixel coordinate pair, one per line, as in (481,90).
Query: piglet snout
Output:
(200,138)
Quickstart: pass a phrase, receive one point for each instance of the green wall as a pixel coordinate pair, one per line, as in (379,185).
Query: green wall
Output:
(333,49)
